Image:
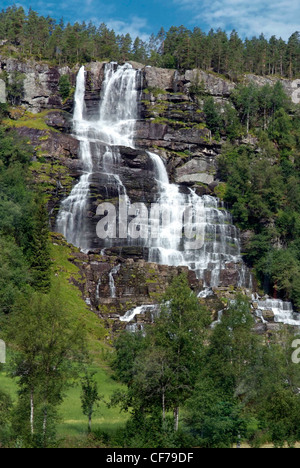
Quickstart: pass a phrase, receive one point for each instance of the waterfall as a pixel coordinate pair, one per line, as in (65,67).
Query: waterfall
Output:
(213,241)
(282,310)
(218,239)
(99,141)
(132,313)
(73,209)
(112,284)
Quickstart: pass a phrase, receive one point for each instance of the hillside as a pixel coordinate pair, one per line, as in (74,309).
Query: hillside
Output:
(230,145)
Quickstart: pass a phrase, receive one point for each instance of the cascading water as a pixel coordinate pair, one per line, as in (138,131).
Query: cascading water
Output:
(218,240)
(72,212)
(99,141)
(100,138)
(112,284)
(282,310)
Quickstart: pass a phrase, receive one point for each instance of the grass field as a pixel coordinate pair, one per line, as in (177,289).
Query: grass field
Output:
(73,423)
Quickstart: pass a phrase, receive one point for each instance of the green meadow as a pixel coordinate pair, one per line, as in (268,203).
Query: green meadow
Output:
(73,424)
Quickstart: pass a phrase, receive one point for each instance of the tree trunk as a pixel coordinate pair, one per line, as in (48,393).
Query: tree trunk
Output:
(176,418)
(164,405)
(45,421)
(90,424)
(31,413)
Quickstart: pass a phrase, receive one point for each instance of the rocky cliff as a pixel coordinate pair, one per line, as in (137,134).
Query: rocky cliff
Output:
(171,124)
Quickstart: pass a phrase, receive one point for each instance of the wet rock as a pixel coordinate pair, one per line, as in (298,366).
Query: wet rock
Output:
(268,315)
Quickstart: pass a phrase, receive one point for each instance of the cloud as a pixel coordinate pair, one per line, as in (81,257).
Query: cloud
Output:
(135,26)
(249,18)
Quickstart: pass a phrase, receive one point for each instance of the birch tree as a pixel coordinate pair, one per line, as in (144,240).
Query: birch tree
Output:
(47,345)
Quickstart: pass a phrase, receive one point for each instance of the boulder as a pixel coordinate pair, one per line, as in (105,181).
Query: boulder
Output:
(191,179)
(197,170)
(268,315)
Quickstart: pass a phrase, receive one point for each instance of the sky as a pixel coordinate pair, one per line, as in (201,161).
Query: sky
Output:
(142,18)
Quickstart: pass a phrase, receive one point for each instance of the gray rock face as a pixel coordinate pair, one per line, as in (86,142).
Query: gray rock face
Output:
(192,179)
(189,135)
(197,170)
(214,85)
(59,120)
(2,92)
(40,83)
(161,78)
(291,87)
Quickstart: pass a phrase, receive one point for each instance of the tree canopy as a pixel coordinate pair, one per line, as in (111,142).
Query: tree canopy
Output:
(43,38)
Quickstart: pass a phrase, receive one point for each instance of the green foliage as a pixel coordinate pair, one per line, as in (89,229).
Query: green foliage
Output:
(43,38)
(240,378)
(5,417)
(3,111)
(212,115)
(214,421)
(161,369)
(64,86)
(272,383)
(262,186)
(15,88)
(23,223)
(14,274)
(47,348)
(89,396)
(39,250)
(128,346)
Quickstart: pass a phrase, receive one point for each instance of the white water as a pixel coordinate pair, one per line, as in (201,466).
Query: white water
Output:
(141,310)
(112,284)
(207,292)
(72,211)
(218,239)
(283,310)
(99,140)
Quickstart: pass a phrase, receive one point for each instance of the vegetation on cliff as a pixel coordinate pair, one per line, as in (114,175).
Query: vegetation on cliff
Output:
(260,165)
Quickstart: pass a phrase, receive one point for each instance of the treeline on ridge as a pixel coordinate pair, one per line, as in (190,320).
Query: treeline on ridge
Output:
(43,38)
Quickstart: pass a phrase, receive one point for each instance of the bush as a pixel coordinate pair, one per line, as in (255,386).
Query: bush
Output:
(64,86)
